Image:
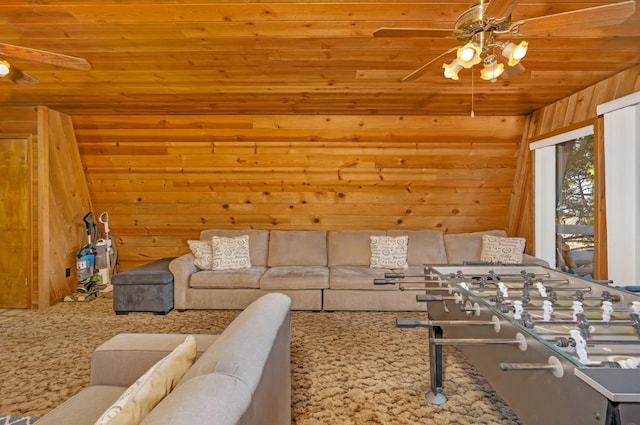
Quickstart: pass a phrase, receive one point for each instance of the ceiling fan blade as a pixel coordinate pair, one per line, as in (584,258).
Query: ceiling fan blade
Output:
(499,9)
(412,32)
(512,71)
(57,59)
(20,77)
(598,16)
(418,72)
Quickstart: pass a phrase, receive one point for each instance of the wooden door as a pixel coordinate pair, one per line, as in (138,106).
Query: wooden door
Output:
(14,223)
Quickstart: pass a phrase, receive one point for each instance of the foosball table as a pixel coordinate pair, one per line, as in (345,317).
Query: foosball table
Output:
(557,348)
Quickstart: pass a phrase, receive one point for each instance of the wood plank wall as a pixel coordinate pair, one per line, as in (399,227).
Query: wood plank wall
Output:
(559,117)
(64,200)
(59,199)
(163,179)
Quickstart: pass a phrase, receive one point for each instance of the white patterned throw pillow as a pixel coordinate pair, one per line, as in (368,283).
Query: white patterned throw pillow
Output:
(149,390)
(203,254)
(230,253)
(504,250)
(389,252)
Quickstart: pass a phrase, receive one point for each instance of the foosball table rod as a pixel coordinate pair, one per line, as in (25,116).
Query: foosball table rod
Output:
(553,365)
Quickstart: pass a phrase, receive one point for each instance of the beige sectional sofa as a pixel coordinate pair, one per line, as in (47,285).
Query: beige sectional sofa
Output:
(319,269)
(240,377)
(290,262)
(351,278)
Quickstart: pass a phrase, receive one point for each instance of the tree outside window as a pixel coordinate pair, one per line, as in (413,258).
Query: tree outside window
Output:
(575,203)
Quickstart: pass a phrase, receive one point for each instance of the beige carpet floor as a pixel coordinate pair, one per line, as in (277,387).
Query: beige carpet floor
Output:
(347,367)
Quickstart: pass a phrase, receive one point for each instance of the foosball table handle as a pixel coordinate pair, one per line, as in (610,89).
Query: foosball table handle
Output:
(553,365)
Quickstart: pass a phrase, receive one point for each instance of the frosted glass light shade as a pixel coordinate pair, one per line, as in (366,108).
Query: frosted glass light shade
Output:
(469,55)
(451,69)
(492,69)
(514,52)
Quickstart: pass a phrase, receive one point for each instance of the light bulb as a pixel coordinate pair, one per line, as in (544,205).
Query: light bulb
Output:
(492,69)
(451,69)
(4,67)
(515,53)
(469,55)
(520,51)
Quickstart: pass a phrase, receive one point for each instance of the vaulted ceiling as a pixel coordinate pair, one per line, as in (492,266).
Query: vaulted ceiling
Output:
(292,57)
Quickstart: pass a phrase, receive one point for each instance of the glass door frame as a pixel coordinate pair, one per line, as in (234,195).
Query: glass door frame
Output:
(544,169)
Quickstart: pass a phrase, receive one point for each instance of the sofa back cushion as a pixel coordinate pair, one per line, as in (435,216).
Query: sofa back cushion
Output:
(246,343)
(297,248)
(252,356)
(425,246)
(258,241)
(207,399)
(503,250)
(463,247)
(351,247)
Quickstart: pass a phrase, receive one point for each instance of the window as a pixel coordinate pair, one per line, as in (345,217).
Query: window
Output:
(564,199)
(575,206)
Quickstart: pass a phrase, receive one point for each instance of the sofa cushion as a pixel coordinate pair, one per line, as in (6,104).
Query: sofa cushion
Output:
(230,253)
(138,351)
(425,246)
(358,277)
(389,252)
(245,340)
(504,250)
(463,247)
(297,248)
(350,247)
(258,241)
(154,385)
(85,407)
(238,278)
(295,277)
(207,399)
(202,253)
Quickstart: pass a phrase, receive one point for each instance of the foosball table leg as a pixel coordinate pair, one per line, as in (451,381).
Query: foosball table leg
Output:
(436,368)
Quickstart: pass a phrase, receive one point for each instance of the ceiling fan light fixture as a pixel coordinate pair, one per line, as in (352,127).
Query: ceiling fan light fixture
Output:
(514,53)
(451,69)
(492,69)
(469,55)
(4,68)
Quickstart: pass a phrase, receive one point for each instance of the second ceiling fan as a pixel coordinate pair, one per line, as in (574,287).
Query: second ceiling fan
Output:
(480,26)
(18,76)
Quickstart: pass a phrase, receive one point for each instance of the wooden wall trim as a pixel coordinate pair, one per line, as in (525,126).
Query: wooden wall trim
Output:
(600,266)
(519,215)
(33,254)
(44,237)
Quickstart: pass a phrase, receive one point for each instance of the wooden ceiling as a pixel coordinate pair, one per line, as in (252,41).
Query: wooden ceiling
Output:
(290,57)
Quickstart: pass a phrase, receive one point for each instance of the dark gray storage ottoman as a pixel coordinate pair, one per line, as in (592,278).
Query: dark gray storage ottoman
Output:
(145,288)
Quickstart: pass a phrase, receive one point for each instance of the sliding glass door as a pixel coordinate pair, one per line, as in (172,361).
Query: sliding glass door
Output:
(575,201)
(564,200)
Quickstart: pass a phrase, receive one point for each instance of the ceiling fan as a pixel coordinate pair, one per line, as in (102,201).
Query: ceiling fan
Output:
(20,77)
(480,26)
